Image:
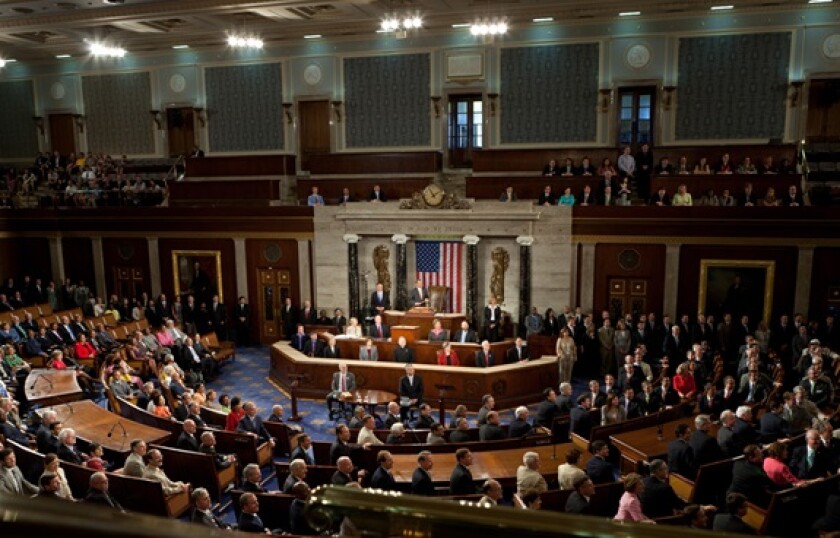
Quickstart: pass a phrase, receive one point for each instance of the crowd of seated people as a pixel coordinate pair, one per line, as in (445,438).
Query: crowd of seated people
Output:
(80,180)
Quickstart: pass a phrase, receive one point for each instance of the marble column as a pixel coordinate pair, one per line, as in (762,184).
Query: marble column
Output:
(240,256)
(401,292)
(804,270)
(672,281)
(99,267)
(587,276)
(352,241)
(305,264)
(154,266)
(525,242)
(472,278)
(57,260)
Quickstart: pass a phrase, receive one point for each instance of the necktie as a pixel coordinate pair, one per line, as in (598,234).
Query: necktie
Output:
(448,361)
(343,383)
(16,482)
(379,330)
(463,336)
(489,359)
(811,454)
(751,394)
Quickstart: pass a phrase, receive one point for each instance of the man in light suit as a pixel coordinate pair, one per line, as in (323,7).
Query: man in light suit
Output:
(465,335)
(419,295)
(342,381)
(380,301)
(11,479)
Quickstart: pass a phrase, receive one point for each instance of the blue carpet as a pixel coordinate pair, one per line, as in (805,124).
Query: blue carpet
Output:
(247,377)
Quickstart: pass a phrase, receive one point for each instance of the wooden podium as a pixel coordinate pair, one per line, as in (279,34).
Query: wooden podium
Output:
(410,332)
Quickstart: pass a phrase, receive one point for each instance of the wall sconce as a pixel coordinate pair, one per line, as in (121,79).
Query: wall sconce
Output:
(157,118)
(795,92)
(287,110)
(667,96)
(336,106)
(39,123)
(493,98)
(606,95)
(201,114)
(80,122)
(436,105)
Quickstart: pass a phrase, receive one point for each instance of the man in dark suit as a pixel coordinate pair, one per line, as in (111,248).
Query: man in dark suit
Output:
(727,397)
(465,335)
(818,388)
(748,477)
(772,425)
(730,521)
(67,450)
(377,195)
(547,409)
(628,402)
(461,480)
(299,338)
(380,300)
(403,353)
(419,295)
(564,401)
(242,315)
(728,441)
(598,468)
(546,198)
(312,346)
(202,513)
(743,428)
(485,357)
(658,497)
(579,501)
(811,460)
(98,492)
(249,519)
(331,350)
(303,451)
(251,423)
(308,314)
(675,345)
(665,394)
(379,329)
(188,439)
(680,454)
(344,474)
(492,320)
(518,353)
(492,430)
(288,314)
(630,377)
(704,446)
(648,402)
(421,480)
(339,321)
(410,391)
(661,198)
(382,477)
(579,419)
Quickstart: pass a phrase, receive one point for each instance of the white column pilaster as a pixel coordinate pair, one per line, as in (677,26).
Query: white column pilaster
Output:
(587,276)
(804,269)
(154,266)
(241,258)
(99,266)
(672,279)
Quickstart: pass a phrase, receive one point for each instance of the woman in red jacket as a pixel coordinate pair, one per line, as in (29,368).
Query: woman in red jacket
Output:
(235,415)
(446,356)
(84,349)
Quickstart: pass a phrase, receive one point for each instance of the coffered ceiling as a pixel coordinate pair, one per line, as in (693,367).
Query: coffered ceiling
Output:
(38,30)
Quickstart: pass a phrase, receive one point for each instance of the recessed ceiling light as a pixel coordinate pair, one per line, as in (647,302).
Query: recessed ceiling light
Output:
(63,56)
(543,19)
(722,8)
(462,25)
(629,13)
(312,36)
(180,46)
(10,60)
(820,1)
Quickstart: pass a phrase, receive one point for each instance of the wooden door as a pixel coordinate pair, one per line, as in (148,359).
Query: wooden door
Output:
(314,125)
(180,130)
(128,281)
(636,113)
(823,110)
(627,295)
(274,287)
(62,133)
(465,131)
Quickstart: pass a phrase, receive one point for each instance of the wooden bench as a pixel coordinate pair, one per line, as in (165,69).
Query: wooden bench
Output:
(792,510)
(274,508)
(132,412)
(316,475)
(213,417)
(245,446)
(284,435)
(604,501)
(198,469)
(222,351)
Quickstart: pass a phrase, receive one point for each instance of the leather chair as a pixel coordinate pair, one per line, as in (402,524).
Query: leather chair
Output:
(439,298)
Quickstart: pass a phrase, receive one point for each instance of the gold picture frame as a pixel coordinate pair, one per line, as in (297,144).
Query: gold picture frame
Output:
(210,274)
(717,282)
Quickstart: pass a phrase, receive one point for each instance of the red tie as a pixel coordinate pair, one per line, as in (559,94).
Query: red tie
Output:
(343,384)
(448,361)
(379,330)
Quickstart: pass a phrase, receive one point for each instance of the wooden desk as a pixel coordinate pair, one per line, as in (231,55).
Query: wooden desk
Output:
(640,446)
(425,352)
(449,322)
(93,423)
(498,464)
(510,384)
(49,387)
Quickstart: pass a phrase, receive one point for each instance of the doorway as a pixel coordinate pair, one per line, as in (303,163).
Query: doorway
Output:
(636,115)
(62,133)
(180,130)
(465,131)
(823,110)
(627,296)
(128,281)
(274,287)
(314,125)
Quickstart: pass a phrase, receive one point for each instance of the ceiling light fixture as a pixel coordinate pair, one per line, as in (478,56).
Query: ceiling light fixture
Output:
(629,13)
(489,28)
(178,47)
(462,25)
(312,36)
(543,19)
(820,1)
(63,56)
(98,49)
(2,63)
(397,24)
(722,8)
(242,42)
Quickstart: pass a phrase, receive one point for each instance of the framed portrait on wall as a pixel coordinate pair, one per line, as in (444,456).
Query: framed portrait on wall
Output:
(198,273)
(740,287)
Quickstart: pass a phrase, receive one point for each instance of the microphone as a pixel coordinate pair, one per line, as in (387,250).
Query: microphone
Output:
(38,378)
(117,423)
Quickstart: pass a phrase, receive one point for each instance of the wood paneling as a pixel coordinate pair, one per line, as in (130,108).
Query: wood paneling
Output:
(823,110)
(332,188)
(25,256)
(533,160)
(246,165)
(62,133)
(125,252)
(689,278)
(823,278)
(260,253)
(225,193)
(391,162)
(225,246)
(78,261)
(314,125)
(180,130)
(650,268)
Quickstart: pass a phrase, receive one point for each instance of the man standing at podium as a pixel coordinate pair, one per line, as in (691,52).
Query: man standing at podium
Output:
(419,295)
(379,300)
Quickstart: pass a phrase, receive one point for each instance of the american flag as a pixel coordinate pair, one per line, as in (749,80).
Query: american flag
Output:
(439,263)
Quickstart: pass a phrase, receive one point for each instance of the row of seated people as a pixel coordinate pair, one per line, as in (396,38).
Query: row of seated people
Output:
(376,195)
(642,163)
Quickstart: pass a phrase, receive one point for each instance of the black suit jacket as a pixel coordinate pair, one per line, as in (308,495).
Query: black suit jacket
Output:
(483,360)
(300,454)
(382,479)
(750,480)
(705,448)
(731,523)
(514,356)
(376,302)
(600,471)
(731,403)
(579,421)
(70,455)
(373,332)
(461,481)
(729,442)
(403,354)
(251,523)
(470,336)
(257,427)
(311,318)
(519,428)
(490,432)
(421,483)
(99,497)
(188,442)
(577,504)
(414,390)
(681,458)
(772,427)
(799,463)
(564,404)
(659,499)
(208,520)
(311,348)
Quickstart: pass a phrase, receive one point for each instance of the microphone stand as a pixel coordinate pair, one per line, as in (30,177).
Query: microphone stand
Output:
(114,427)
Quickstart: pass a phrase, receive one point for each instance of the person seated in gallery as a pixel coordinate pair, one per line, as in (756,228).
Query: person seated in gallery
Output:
(568,198)
(345,197)
(664,167)
(769,199)
(315,198)
(661,198)
(587,197)
(465,335)
(353,328)
(709,199)
(368,352)
(747,167)
(376,195)
(606,167)
(682,168)
(726,199)
(419,295)
(438,333)
(546,198)
(403,353)
(682,197)
(793,198)
(568,169)
(724,166)
(702,167)
(586,168)
(767,166)
(331,350)
(551,169)
(379,329)
(508,195)
(446,356)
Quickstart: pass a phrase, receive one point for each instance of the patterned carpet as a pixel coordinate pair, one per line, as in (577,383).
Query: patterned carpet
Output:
(247,378)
